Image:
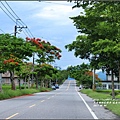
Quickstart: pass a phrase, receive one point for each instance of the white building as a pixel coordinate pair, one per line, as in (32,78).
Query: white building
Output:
(107,84)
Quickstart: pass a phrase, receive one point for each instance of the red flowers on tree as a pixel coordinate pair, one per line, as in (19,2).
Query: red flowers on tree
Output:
(35,41)
(10,61)
(49,52)
(90,73)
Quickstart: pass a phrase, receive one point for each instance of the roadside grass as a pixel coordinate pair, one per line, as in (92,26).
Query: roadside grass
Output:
(104,98)
(8,93)
(45,89)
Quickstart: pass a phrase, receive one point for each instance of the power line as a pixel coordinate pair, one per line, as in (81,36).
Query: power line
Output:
(8,15)
(2,30)
(12,10)
(15,14)
(7,10)
(15,18)
(30,32)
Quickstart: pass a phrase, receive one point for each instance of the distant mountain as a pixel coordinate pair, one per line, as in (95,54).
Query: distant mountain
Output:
(101,75)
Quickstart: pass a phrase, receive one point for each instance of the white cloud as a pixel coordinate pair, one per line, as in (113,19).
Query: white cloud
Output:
(59,13)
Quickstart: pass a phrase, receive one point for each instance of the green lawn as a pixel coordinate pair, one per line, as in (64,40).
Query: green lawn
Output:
(103,97)
(8,93)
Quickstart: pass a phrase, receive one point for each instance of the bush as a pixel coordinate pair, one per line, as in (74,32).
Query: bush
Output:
(116,93)
(28,91)
(45,89)
(13,93)
(4,96)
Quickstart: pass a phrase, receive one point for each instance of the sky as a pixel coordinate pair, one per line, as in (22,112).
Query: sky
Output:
(48,20)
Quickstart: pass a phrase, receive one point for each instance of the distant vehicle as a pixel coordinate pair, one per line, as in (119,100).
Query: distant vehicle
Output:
(53,87)
(80,87)
(56,86)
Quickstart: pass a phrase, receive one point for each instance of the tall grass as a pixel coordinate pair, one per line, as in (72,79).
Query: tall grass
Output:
(8,93)
(13,93)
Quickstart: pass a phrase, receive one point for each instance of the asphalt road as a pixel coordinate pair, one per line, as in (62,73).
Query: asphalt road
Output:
(63,103)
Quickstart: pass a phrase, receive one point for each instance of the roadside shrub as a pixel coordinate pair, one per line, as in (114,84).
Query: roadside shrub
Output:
(43,89)
(13,93)
(104,91)
(28,91)
(4,96)
(116,93)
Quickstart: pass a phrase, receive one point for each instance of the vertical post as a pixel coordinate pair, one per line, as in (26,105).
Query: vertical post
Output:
(93,87)
(15,30)
(0,82)
(33,69)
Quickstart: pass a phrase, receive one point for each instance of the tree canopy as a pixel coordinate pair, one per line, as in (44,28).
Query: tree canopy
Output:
(99,34)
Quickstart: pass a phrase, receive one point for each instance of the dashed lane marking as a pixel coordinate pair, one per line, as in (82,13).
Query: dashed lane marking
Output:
(42,100)
(12,116)
(32,106)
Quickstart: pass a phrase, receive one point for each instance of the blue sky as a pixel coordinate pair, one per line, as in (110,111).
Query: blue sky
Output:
(47,20)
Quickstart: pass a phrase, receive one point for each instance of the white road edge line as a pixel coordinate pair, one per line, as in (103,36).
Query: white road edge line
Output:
(12,116)
(92,113)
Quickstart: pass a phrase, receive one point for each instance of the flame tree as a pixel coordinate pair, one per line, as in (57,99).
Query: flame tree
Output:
(46,53)
(13,50)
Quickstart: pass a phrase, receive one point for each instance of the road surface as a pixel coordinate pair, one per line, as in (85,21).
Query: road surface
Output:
(63,103)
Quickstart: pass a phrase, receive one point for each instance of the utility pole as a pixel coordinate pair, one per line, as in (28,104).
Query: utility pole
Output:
(0,82)
(15,29)
(33,69)
(93,87)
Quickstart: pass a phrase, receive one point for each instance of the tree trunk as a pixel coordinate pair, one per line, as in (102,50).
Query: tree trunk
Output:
(0,82)
(32,81)
(112,79)
(29,82)
(19,84)
(36,82)
(13,87)
(42,83)
(119,74)
(25,83)
(46,83)
(50,83)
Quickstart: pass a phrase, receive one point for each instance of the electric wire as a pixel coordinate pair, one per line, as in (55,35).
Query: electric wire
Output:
(25,33)
(8,15)
(20,20)
(11,13)
(12,9)
(15,14)
(2,30)
(17,20)
(28,33)
(8,11)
